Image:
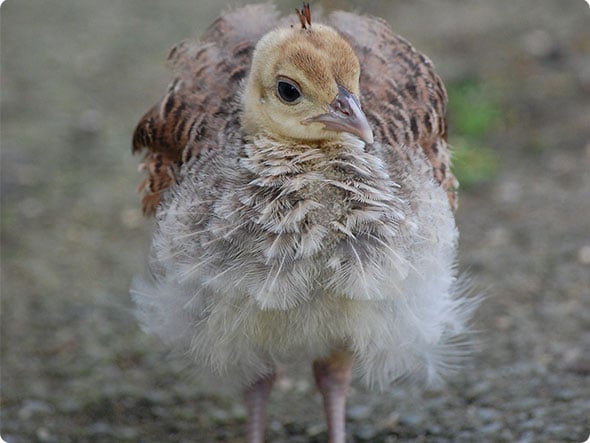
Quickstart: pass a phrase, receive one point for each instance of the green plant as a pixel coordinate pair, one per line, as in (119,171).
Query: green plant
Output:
(473,114)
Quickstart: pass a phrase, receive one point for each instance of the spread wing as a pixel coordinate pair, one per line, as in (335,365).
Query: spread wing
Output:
(201,108)
(402,96)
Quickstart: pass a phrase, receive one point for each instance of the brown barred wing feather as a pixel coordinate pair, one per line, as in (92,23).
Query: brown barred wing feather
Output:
(402,95)
(201,107)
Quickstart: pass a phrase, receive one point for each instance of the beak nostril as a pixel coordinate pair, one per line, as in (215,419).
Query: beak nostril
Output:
(345,115)
(341,106)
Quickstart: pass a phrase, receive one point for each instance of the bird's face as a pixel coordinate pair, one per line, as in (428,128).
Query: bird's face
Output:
(304,86)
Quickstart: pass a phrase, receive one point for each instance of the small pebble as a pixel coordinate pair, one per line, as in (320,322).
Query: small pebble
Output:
(366,432)
(524,404)
(100,428)
(533,424)
(127,433)
(90,121)
(43,435)
(389,423)
(285,383)
(584,255)
(557,430)
(157,397)
(69,405)
(316,429)
(238,411)
(302,386)
(490,429)
(435,429)
(497,236)
(276,426)
(508,192)
(359,412)
(131,218)
(411,420)
(538,43)
(487,414)
(565,394)
(218,415)
(464,437)
(160,411)
(31,207)
(31,408)
(527,437)
(507,435)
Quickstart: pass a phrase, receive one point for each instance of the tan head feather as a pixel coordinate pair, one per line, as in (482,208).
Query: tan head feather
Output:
(318,62)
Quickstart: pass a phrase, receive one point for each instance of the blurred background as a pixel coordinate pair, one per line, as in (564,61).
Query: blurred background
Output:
(76,76)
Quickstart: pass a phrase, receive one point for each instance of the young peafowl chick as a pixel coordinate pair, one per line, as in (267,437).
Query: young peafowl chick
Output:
(300,179)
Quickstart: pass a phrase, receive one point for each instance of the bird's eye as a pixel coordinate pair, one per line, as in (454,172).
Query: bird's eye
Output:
(288,92)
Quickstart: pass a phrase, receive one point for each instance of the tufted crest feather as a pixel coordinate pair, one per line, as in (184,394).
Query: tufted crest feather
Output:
(304,15)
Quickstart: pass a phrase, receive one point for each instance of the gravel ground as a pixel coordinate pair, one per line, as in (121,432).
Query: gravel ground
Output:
(77,75)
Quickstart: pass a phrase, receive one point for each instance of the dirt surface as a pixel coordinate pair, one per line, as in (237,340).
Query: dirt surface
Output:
(75,367)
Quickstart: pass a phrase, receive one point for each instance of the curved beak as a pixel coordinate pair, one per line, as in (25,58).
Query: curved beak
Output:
(345,115)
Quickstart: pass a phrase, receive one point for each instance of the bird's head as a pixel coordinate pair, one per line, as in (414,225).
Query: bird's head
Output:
(304,86)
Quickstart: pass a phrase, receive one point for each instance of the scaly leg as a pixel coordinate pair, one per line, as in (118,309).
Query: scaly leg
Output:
(332,376)
(256,400)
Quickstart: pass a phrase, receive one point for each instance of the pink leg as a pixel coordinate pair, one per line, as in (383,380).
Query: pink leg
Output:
(332,376)
(256,400)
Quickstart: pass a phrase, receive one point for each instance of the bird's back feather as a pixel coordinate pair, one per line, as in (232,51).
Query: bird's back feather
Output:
(201,107)
(403,97)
